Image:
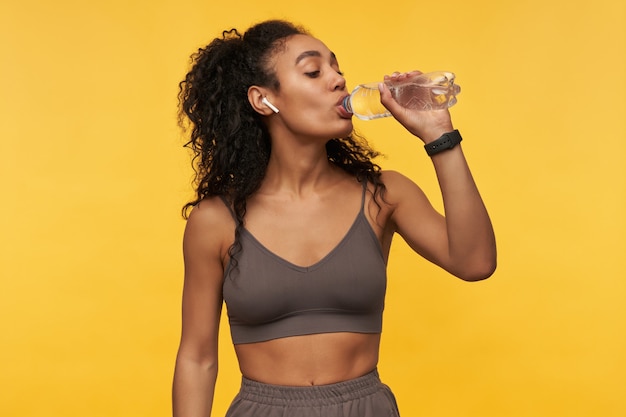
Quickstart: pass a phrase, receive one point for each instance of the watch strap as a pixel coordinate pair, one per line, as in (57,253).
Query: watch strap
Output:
(446,141)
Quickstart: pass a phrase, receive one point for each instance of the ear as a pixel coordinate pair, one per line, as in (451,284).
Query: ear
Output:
(256,95)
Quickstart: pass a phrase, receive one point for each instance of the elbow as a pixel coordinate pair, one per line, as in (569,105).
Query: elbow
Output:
(477,276)
(479,271)
(197,361)
(479,265)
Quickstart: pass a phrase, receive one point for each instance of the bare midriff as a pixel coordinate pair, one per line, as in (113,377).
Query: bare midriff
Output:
(317,359)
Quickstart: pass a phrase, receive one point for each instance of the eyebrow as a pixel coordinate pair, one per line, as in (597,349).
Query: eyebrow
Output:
(307,54)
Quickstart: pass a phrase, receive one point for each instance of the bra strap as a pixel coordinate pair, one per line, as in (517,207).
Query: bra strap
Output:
(228,206)
(364,183)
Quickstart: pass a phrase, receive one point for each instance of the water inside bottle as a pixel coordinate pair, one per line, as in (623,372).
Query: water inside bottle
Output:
(428,91)
(366,103)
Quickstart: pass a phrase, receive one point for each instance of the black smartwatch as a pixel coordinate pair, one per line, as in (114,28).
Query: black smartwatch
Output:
(446,141)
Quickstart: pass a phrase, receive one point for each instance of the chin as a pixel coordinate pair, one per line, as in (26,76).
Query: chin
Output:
(346,131)
(334,130)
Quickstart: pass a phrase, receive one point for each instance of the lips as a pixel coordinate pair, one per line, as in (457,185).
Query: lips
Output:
(342,110)
(341,99)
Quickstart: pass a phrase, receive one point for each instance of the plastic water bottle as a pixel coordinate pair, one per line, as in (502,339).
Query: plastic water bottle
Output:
(430,91)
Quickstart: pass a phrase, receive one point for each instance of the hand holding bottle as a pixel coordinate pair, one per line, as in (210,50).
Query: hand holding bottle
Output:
(428,125)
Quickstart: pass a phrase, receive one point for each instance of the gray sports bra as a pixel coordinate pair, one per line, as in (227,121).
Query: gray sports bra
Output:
(268,297)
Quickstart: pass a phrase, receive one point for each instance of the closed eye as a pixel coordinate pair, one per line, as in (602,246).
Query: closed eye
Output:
(315,74)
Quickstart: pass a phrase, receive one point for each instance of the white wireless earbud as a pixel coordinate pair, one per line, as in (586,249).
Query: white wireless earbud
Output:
(270,105)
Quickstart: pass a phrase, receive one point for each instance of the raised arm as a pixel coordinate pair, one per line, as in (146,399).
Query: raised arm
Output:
(462,241)
(204,249)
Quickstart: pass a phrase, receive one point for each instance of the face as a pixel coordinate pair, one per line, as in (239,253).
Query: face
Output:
(311,90)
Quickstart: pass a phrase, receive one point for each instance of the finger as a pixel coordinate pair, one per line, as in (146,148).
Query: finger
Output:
(393,75)
(387,99)
(388,77)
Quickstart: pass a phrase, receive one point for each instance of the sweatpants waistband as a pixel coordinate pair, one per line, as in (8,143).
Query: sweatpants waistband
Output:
(311,395)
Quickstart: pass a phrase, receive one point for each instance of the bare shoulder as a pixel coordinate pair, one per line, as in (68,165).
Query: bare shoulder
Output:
(406,201)
(398,186)
(210,211)
(391,177)
(210,229)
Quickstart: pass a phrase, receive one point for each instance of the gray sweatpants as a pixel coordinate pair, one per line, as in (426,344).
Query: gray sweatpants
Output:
(365,396)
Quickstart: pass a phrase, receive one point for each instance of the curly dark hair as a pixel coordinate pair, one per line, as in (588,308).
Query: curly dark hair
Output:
(229,141)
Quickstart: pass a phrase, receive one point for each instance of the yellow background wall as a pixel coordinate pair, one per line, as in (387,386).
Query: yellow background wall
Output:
(92,177)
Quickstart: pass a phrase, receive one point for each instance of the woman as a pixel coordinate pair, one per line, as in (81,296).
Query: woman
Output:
(292,226)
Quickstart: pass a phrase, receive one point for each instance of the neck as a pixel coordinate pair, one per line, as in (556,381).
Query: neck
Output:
(297,171)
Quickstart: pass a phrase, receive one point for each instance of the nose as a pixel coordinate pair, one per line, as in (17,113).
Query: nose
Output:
(338,82)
